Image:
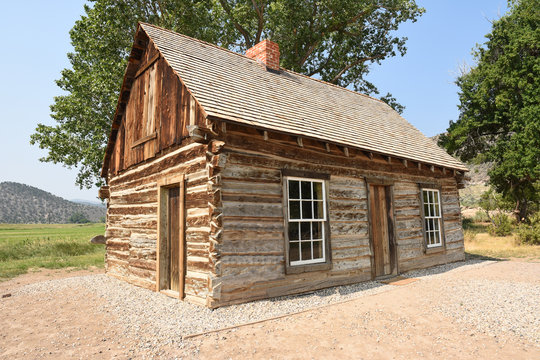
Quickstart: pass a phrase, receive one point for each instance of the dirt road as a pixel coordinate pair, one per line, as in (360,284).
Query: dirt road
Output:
(460,314)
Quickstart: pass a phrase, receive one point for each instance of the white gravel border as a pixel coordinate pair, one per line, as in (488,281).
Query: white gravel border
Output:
(146,315)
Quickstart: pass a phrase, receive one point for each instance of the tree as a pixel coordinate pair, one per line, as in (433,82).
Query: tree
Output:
(78,218)
(335,40)
(499,120)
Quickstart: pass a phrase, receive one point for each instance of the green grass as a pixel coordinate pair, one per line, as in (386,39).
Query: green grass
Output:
(51,246)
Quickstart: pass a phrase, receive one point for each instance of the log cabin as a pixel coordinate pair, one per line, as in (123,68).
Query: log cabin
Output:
(230,179)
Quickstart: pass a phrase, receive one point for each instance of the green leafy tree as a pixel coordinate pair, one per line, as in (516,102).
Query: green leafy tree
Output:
(335,40)
(499,119)
(78,218)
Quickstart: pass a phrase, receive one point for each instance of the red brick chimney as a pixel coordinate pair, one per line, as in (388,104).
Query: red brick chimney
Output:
(267,52)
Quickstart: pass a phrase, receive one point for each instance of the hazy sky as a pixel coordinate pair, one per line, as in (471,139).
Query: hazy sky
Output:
(36,40)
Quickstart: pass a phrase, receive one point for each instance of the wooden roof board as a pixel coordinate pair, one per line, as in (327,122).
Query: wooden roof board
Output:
(240,89)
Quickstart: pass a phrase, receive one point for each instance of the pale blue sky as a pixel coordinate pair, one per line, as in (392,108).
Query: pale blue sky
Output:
(36,40)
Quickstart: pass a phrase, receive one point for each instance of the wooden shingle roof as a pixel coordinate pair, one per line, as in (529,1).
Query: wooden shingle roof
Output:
(236,88)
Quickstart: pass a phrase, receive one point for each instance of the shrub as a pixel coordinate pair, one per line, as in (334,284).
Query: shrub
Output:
(530,234)
(501,225)
(467,223)
(480,216)
(469,235)
(78,218)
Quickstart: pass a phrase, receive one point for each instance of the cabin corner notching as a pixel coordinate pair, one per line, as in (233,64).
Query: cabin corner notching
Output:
(228,182)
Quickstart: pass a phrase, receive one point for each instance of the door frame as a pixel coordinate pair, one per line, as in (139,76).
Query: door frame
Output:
(163,186)
(392,242)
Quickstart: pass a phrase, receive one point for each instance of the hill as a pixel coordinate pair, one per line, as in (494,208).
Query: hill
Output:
(27,204)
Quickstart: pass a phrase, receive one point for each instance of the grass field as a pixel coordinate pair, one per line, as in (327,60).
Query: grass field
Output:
(52,246)
(478,242)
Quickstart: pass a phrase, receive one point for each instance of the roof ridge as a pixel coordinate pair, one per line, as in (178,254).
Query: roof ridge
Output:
(247,57)
(197,40)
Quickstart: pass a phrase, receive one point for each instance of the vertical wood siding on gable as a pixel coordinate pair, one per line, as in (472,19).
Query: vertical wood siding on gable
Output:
(173,109)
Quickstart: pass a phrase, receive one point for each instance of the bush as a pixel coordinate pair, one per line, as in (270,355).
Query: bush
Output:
(480,216)
(530,234)
(469,235)
(466,223)
(78,218)
(501,226)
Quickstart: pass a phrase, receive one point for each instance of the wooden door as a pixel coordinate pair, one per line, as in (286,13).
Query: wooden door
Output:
(171,250)
(380,235)
(173,239)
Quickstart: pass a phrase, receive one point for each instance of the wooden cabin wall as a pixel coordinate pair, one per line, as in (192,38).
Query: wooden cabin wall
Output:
(174,108)
(409,226)
(250,261)
(132,220)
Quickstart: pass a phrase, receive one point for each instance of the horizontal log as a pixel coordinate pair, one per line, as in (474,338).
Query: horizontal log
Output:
(133,210)
(341,181)
(142,273)
(250,188)
(143,264)
(117,254)
(347,205)
(349,228)
(357,194)
(409,224)
(251,235)
(271,199)
(349,253)
(363,262)
(252,209)
(134,197)
(179,156)
(233,171)
(340,215)
(273,224)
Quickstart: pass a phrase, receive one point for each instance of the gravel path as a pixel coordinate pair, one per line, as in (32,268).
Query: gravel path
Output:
(155,319)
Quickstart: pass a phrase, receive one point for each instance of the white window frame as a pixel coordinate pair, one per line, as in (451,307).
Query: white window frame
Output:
(323,221)
(430,216)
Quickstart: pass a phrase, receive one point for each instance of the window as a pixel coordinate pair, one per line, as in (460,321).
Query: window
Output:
(306,220)
(432,217)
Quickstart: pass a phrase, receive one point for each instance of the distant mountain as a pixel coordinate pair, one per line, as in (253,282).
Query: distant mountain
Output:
(27,204)
(89,202)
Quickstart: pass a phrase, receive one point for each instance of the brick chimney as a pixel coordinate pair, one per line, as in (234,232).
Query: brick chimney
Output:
(266,52)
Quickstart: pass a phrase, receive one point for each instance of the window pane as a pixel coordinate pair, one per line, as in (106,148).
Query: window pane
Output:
(425,197)
(294,189)
(317,230)
(318,210)
(294,251)
(317,250)
(306,190)
(426,210)
(305,231)
(317,191)
(430,237)
(430,197)
(436,223)
(436,197)
(307,211)
(294,233)
(294,208)
(427,224)
(436,210)
(306,250)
